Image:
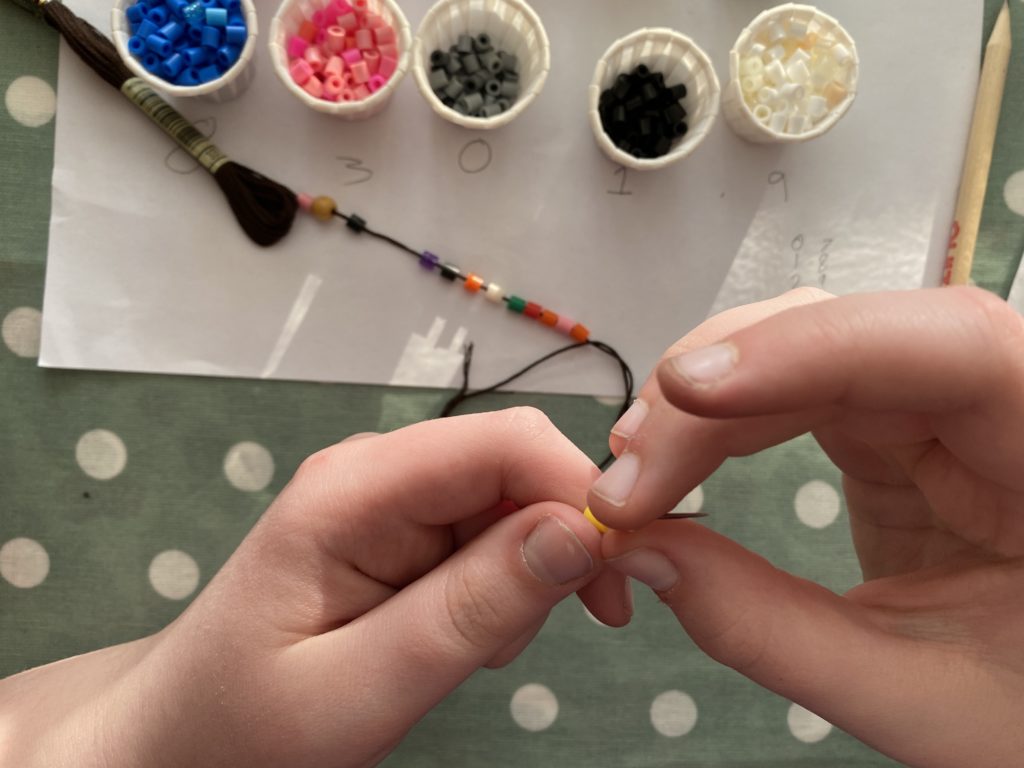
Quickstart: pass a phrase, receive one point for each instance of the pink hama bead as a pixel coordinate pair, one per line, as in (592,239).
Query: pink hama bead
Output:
(360,72)
(349,81)
(362,92)
(348,21)
(300,71)
(347,95)
(320,18)
(296,47)
(360,5)
(376,83)
(333,86)
(388,49)
(384,35)
(352,57)
(305,201)
(314,87)
(364,38)
(372,59)
(387,67)
(315,58)
(334,66)
(565,325)
(334,39)
(373,21)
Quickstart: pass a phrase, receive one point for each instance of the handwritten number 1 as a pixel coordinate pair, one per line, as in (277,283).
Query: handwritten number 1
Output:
(623,173)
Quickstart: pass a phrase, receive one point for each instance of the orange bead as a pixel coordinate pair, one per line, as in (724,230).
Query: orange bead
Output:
(580,332)
(549,318)
(323,207)
(473,283)
(307,31)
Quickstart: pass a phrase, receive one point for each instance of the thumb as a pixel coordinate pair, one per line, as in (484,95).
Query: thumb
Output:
(416,647)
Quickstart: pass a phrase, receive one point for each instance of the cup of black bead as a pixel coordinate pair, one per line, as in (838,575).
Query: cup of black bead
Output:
(480,67)
(653,99)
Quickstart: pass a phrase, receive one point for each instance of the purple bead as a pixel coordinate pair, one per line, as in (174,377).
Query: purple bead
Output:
(429,261)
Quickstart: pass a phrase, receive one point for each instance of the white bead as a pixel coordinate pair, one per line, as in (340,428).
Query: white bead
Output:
(841,54)
(800,55)
(798,28)
(816,107)
(752,85)
(775,32)
(767,95)
(775,53)
(798,72)
(775,73)
(819,79)
(752,66)
(778,122)
(797,124)
(495,293)
(763,113)
(792,93)
(757,49)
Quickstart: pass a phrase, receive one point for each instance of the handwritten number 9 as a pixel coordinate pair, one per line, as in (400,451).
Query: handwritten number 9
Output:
(778,177)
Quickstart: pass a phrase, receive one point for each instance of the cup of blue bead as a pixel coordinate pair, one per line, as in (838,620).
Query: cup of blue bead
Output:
(338,19)
(481,63)
(653,99)
(793,75)
(188,47)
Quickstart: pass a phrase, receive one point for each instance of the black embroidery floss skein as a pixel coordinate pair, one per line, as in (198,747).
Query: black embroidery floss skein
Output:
(263,208)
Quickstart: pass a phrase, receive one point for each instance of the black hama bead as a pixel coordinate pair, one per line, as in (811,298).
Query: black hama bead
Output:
(674,112)
(449,272)
(650,92)
(355,222)
(678,92)
(642,71)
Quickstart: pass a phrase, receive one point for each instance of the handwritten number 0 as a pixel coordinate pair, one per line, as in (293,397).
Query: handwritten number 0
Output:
(473,164)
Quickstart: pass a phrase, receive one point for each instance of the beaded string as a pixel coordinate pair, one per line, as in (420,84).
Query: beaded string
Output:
(324,208)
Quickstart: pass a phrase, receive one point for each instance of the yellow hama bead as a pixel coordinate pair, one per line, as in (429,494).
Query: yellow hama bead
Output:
(323,207)
(601,527)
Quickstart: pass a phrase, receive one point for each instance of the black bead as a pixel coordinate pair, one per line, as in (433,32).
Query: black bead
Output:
(678,92)
(674,112)
(621,87)
(355,222)
(449,272)
(642,71)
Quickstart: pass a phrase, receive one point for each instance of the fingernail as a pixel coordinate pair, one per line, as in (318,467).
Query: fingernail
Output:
(554,554)
(652,568)
(616,484)
(631,420)
(708,366)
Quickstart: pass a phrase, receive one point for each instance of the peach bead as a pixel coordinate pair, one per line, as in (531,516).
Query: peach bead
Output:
(314,87)
(333,86)
(352,57)
(389,50)
(565,325)
(388,65)
(362,92)
(300,71)
(384,35)
(364,39)
(347,95)
(360,72)
(348,21)
(307,30)
(334,39)
(334,66)
(372,59)
(315,58)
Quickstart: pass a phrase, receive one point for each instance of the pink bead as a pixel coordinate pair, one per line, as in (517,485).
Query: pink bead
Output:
(373,21)
(300,71)
(389,49)
(352,57)
(362,92)
(334,10)
(364,38)
(347,95)
(305,201)
(315,58)
(334,85)
(296,47)
(320,18)
(360,6)
(376,83)
(348,21)
(350,44)
(387,67)
(372,59)
(384,35)
(349,81)
(319,37)
(314,87)
(334,66)
(360,72)
(565,325)
(334,39)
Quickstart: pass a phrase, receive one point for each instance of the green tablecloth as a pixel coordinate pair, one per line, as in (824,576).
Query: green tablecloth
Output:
(121,495)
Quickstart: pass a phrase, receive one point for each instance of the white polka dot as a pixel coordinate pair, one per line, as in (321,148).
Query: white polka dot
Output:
(101,454)
(673,713)
(1013,192)
(807,726)
(615,402)
(21,330)
(24,563)
(31,101)
(174,574)
(249,466)
(534,707)
(691,503)
(817,504)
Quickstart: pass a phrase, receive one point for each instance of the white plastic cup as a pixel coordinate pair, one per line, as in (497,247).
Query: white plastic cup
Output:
(513,26)
(286,22)
(680,60)
(754,123)
(228,86)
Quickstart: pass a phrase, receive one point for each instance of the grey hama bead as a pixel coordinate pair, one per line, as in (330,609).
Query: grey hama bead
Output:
(505,104)
(453,90)
(490,110)
(482,43)
(492,88)
(509,62)
(471,102)
(510,90)
(438,80)
(464,44)
(490,62)
(470,63)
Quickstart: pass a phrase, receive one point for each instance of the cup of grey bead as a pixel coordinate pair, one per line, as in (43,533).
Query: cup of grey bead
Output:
(480,64)
(665,60)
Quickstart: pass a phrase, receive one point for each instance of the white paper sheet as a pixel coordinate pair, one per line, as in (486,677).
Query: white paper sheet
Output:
(148,271)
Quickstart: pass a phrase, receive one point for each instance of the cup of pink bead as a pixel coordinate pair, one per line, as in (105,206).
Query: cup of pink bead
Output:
(341,57)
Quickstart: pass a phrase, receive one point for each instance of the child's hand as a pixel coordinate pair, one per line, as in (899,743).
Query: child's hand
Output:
(389,570)
(919,399)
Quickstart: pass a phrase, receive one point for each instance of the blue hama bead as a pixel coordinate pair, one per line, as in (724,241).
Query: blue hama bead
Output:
(147,28)
(195,35)
(189,76)
(216,17)
(194,13)
(227,55)
(211,37)
(208,73)
(136,46)
(172,31)
(135,13)
(178,7)
(172,65)
(194,57)
(159,45)
(429,261)
(158,15)
(151,63)
(235,35)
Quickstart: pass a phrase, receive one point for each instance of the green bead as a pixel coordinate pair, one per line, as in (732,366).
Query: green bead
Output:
(516,304)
